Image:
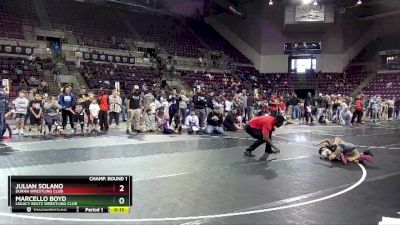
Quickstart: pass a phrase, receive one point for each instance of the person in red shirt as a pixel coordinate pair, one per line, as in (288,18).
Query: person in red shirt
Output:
(104,107)
(282,106)
(261,128)
(274,105)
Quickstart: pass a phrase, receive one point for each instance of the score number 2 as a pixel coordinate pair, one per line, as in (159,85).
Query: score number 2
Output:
(121,200)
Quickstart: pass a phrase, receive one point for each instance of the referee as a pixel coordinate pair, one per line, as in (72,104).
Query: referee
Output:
(261,128)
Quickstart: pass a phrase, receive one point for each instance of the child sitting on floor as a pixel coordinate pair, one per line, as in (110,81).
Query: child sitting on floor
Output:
(149,121)
(167,128)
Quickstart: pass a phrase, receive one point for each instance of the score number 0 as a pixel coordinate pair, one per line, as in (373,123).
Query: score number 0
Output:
(122,199)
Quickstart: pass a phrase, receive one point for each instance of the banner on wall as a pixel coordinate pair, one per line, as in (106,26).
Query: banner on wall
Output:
(117,86)
(310,13)
(108,58)
(18,50)
(6,84)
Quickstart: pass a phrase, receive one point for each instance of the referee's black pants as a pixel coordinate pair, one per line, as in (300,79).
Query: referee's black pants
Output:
(257,134)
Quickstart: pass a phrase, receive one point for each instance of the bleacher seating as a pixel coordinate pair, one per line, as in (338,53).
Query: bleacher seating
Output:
(27,13)
(216,41)
(19,71)
(94,25)
(385,85)
(100,75)
(168,31)
(101,26)
(281,83)
(218,81)
(10,22)
(337,83)
(247,70)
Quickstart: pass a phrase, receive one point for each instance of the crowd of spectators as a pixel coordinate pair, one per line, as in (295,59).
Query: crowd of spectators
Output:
(199,111)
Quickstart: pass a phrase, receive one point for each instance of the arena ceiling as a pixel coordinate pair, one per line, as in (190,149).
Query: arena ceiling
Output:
(369,10)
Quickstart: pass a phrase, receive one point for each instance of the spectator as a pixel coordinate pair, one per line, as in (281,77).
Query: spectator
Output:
(215,121)
(149,121)
(45,85)
(104,108)
(173,101)
(199,102)
(67,100)
(232,121)
(51,114)
(183,105)
(115,107)
(134,110)
(192,123)
(94,109)
(79,113)
(21,109)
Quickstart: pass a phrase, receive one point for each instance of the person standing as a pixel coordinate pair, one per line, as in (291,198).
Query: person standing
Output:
(21,109)
(173,105)
(3,108)
(321,104)
(309,104)
(103,114)
(397,108)
(123,106)
(79,113)
(261,129)
(390,103)
(210,102)
(375,109)
(358,110)
(274,104)
(243,109)
(183,106)
(67,100)
(134,110)
(250,106)
(94,109)
(199,102)
(115,107)
(296,108)
(147,99)
(36,109)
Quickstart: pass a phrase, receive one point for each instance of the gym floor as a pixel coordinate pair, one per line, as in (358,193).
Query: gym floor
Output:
(182,179)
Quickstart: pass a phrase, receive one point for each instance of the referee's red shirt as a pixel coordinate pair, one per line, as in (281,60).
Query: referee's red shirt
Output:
(264,123)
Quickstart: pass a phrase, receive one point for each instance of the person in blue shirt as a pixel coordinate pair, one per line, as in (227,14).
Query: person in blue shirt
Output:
(67,100)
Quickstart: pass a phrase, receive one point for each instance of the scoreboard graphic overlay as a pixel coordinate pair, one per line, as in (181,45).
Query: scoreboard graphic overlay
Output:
(70,194)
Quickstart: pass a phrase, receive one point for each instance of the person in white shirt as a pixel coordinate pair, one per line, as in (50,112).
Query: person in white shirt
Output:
(192,123)
(115,107)
(21,109)
(153,105)
(94,110)
(228,105)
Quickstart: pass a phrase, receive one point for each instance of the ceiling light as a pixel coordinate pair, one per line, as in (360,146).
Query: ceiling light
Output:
(271,2)
(306,2)
(359,2)
(315,2)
